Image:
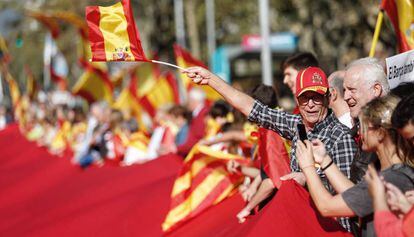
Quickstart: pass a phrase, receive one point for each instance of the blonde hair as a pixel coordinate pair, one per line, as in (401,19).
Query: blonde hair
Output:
(378,113)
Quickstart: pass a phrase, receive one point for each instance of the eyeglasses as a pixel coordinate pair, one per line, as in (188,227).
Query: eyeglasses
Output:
(316,98)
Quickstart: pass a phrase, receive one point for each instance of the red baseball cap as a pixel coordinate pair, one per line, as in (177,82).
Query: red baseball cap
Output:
(311,79)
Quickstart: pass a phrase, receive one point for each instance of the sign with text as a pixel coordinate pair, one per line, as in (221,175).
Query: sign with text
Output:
(400,68)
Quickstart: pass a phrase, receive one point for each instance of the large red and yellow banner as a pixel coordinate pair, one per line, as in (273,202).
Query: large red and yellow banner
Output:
(112,33)
(184,59)
(202,182)
(401,14)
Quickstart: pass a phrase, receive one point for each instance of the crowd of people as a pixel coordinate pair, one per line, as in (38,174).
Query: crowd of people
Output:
(349,140)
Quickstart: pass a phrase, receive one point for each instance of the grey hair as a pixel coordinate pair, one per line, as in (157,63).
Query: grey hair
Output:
(337,82)
(373,72)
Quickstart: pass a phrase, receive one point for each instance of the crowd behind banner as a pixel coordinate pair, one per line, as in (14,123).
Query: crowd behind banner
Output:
(349,141)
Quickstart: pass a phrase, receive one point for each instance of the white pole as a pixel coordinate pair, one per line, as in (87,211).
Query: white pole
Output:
(266,54)
(168,64)
(47,58)
(211,27)
(179,22)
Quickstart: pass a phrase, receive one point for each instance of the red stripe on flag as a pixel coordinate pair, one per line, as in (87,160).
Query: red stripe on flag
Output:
(207,202)
(133,33)
(390,7)
(173,84)
(147,105)
(96,39)
(102,74)
(86,95)
(195,182)
(187,57)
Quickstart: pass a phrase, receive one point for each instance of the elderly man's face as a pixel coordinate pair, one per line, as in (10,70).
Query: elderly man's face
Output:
(357,93)
(312,107)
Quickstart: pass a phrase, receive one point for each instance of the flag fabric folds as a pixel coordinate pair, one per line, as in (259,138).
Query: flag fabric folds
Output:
(164,92)
(184,59)
(151,89)
(401,14)
(93,85)
(202,182)
(112,33)
(274,155)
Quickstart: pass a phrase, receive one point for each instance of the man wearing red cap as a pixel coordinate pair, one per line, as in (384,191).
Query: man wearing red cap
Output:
(320,123)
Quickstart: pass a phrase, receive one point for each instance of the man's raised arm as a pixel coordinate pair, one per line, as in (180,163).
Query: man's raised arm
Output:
(241,101)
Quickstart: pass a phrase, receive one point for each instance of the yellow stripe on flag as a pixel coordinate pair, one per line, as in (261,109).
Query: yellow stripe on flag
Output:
(194,199)
(405,10)
(113,26)
(161,94)
(184,181)
(190,190)
(94,85)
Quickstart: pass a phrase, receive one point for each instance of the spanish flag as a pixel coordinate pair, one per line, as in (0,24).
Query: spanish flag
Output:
(151,89)
(93,85)
(184,59)
(84,48)
(164,92)
(202,182)
(401,14)
(143,78)
(112,33)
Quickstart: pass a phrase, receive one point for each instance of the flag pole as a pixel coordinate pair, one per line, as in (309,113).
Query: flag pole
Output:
(167,64)
(376,33)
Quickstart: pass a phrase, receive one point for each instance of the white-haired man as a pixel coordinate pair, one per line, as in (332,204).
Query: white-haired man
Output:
(364,81)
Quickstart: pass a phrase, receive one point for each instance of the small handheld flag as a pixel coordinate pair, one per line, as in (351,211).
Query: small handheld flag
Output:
(112,33)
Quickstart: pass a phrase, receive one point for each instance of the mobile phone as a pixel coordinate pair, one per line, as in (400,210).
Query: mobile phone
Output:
(302,132)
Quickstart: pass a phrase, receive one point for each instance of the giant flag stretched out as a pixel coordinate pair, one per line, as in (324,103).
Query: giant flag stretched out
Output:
(202,182)
(401,14)
(185,59)
(112,33)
